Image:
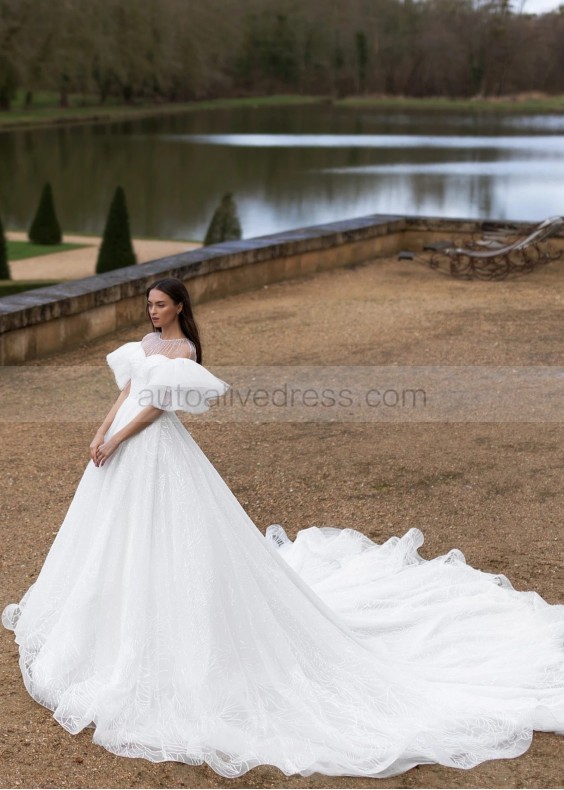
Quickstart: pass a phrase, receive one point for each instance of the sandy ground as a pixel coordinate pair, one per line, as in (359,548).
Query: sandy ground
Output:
(74,264)
(494,490)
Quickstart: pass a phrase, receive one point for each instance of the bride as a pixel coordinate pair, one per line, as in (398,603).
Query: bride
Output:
(166,621)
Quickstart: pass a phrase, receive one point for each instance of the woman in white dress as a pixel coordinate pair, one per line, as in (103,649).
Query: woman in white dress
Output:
(165,620)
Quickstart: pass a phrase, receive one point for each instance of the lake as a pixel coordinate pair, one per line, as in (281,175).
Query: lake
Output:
(288,167)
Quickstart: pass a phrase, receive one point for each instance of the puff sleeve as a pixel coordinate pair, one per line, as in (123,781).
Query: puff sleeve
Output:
(179,385)
(120,362)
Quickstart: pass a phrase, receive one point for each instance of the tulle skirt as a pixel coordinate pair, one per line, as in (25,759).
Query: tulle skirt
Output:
(164,619)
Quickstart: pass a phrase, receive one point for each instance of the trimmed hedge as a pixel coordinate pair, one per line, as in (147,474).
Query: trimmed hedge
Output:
(4,268)
(225,225)
(116,249)
(45,228)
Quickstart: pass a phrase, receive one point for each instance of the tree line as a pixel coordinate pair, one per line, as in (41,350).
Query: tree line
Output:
(181,50)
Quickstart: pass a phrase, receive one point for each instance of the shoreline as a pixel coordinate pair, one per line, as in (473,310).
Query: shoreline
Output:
(56,116)
(13,120)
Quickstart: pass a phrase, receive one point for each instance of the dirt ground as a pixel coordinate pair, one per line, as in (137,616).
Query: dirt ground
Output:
(75,264)
(492,489)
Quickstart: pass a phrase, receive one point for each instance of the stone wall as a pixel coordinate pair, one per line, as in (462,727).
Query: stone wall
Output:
(46,320)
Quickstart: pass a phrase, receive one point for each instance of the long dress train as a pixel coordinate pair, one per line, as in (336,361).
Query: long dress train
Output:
(164,619)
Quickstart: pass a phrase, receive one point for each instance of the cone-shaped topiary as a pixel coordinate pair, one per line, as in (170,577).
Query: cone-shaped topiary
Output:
(4,268)
(45,228)
(116,250)
(225,225)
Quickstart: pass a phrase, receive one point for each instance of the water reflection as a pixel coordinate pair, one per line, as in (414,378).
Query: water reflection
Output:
(548,168)
(288,167)
(363,141)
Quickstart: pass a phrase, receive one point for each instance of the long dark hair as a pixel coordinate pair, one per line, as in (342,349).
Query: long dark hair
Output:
(178,293)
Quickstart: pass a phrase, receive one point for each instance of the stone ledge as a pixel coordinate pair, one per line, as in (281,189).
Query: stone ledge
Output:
(47,320)
(50,302)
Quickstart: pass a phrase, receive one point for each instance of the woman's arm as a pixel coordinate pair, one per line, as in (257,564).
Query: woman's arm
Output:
(101,432)
(145,417)
(113,411)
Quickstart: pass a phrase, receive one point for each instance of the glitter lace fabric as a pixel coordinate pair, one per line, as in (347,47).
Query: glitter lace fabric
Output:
(163,618)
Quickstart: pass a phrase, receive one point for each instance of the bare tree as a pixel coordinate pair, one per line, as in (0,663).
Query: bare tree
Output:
(173,50)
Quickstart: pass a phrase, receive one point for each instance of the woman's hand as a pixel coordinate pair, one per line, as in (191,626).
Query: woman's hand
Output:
(101,450)
(96,442)
(104,450)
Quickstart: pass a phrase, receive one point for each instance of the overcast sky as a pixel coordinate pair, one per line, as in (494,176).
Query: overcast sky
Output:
(538,6)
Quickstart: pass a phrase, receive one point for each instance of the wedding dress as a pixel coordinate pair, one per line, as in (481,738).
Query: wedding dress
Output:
(164,619)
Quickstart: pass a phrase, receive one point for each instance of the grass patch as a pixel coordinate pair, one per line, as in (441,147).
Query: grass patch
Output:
(44,112)
(87,109)
(544,104)
(10,287)
(19,250)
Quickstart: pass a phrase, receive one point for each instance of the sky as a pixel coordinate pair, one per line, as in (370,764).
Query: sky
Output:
(538,6)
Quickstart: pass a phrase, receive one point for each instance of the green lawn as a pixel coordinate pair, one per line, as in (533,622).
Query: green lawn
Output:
(45,109)
(87,109)
(440,103)
(49,100)
(19,250)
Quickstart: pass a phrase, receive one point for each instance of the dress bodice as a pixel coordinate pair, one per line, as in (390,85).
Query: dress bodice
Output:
(165,374)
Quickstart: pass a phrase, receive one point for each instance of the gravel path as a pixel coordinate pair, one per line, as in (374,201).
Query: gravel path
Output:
(494,490)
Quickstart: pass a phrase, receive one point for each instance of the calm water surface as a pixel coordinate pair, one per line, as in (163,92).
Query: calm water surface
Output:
(288,167)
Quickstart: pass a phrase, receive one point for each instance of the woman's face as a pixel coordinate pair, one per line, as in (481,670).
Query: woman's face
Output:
(162,309)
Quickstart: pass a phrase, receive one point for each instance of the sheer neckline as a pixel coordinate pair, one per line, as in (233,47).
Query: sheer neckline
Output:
(172,347)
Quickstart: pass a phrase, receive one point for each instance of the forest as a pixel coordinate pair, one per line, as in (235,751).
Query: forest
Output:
(183,50)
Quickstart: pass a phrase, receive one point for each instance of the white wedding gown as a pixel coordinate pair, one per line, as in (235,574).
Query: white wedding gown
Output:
(166,620)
